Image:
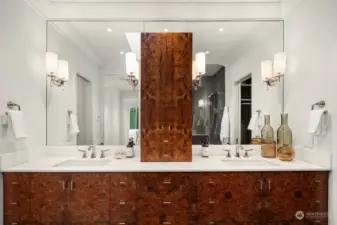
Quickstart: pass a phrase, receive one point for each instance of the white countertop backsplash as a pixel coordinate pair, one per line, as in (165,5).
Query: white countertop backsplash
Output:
(306,160)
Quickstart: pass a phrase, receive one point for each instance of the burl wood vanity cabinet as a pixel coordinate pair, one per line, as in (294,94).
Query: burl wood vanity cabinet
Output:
(166,97)
(220,198)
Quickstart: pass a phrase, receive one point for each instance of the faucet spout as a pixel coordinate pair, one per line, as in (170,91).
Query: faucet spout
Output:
(93,151)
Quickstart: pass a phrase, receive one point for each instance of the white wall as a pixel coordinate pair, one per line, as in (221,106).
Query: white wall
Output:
(60,100)
(311,45)
(22,72)
(129,99)
(268,101)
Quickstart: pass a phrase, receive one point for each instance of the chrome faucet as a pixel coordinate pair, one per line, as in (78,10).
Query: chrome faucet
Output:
(93,151)
(237,150)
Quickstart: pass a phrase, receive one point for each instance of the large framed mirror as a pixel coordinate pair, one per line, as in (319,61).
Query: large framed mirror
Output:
(104,101)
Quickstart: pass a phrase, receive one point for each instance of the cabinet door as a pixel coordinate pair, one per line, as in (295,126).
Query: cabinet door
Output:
(296,198)
(49,198)
(16,198)
(153,60)
(229,198)
(89,202)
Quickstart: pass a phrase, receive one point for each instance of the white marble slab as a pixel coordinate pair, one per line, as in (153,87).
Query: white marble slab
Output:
(199,164)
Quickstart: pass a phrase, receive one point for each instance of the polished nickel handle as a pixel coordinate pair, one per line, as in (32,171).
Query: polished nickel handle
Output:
(122,202)
(121,223)
(261,185)
(211,182)
(169,127)
(166,155)
(211,222)
(166,223)
(269,184)
(317,201)
(166,141)
(14,203)
(167,182)
(317,181)
(122,182)
(166,203)
(72,185)
(15,183)
(210,202)
(63,183)
(14,223)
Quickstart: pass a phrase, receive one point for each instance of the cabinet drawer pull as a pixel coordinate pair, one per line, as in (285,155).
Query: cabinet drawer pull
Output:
(211,222)
(121,223)
(211,182)
(317,201)
(166,203)
(14,203)
(15,183)
(211,202)
(166,155)
(166,223)
(122,182)
(318,181)
(166,182)
(122,202)
(317,221)
(14,223)
(269,184)
(166,141)
(261,184)
(63,183)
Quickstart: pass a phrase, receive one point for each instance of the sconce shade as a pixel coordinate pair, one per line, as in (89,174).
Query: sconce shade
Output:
(280,63)
(51,63)
(137,69)
(63,70)
(131,63)
(194,72)
(266,70)
(200,63)
(201,103)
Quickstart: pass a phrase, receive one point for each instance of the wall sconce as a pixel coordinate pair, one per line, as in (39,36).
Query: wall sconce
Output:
(132,69)
(272,71)
(57,70)
(201,103)
(199,69)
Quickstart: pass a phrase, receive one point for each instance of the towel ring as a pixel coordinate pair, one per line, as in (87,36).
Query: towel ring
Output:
(320,104)
(12,105)
(70,112)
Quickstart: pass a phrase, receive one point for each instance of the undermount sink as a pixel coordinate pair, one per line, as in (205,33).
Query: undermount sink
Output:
(247,162)
(79,163)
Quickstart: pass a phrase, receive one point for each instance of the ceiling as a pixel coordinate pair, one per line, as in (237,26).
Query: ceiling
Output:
(223,46)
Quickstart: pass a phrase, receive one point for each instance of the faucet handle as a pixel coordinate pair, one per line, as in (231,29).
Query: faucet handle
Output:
(246,152)
(102,153)
(84,153)
(228,153)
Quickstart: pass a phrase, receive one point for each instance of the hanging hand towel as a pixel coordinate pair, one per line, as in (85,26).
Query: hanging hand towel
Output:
(18,126)
(318,122)
(255,123)
(224,131)
(73,124)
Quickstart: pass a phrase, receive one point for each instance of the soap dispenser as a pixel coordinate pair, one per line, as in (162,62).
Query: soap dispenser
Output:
(204,148)
(130,151)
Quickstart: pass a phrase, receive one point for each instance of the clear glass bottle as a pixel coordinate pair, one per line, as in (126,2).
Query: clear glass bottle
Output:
(285,151)
(268,146)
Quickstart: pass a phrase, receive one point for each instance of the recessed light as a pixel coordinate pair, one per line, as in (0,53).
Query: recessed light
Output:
(109,29)
(166,30)
(207,52)
(221,29)
(122,53)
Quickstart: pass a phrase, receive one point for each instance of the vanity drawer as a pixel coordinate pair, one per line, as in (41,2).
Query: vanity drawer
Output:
(123,203)
(121,218)
(210,182)
(166,182)
(123,182)
(211,218)
(166,219)
(149,202)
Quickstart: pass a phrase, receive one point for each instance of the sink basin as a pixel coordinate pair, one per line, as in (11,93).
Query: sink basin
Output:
(248,162)
(79,163)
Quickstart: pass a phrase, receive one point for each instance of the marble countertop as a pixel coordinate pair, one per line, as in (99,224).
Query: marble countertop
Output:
(199,164)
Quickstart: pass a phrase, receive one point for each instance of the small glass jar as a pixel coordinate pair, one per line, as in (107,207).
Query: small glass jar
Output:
(286,153)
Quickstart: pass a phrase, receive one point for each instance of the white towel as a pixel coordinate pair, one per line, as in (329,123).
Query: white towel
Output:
(224,130)
(73,129)
(318,122)
(255,122)
(18,126)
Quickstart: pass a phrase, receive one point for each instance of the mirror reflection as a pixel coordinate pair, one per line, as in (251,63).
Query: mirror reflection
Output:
(97,100)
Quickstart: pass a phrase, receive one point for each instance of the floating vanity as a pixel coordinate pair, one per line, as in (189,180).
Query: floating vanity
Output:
(215,190)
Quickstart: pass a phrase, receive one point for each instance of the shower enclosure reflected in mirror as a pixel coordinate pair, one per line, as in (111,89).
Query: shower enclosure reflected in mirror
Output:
(105,105)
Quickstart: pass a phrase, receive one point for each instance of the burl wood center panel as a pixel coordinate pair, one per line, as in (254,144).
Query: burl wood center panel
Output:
(166,97)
